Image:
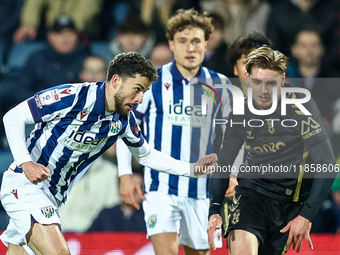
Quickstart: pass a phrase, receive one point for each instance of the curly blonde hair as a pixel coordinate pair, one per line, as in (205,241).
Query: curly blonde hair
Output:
(188,18)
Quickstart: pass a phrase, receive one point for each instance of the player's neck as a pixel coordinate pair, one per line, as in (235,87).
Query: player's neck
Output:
(187,73)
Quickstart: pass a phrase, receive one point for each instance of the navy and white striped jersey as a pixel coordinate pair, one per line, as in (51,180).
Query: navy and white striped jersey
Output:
(173,124)
(73,130)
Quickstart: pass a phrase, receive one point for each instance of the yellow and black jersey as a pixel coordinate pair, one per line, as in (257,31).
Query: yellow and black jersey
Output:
(287,154)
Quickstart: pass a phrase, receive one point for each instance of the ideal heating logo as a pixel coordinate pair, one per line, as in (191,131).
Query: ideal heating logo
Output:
(83,141)
(204,99)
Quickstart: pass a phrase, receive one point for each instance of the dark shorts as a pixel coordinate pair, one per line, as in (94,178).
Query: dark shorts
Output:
(262,216)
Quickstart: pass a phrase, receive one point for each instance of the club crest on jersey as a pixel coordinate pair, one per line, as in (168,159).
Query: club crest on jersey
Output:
(152,221)
(116,126)
(68,91)
(167,85)
(47,211)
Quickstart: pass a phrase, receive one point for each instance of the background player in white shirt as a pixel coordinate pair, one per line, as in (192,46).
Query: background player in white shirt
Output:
(75,124)
(175,207)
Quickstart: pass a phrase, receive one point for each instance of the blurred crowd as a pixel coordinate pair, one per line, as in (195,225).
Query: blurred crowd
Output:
(50,42)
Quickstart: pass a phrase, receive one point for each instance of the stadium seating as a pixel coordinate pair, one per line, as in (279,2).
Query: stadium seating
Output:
(20,52)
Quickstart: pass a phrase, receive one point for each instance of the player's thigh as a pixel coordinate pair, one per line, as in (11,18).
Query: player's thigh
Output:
(190,251)
(194,224)
(47,239)
(25,203)
(162,218)
(248,213)
(161,214)
(165,243)
(242,242)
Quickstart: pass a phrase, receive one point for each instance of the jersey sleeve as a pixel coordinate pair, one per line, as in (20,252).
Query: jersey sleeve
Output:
(47,104)
(310,127)
(132,136)
(15,121)
(315,138)
(147,156)
(232,142)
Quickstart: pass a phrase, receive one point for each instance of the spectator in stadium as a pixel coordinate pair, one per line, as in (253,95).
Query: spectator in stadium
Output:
(75,124)
(60,62)
(127,217)
(155,14)
(176,208)
(288,17)
(241,17)
(133,35)
(270,210)
(84,13)
(238,52)
(215,58)
(309,67)
(94,69)
(161,54)
(9,19)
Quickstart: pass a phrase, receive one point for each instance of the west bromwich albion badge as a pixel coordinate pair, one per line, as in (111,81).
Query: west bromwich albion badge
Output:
(116,126)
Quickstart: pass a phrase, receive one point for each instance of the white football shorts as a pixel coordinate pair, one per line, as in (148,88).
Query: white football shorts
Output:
(185,216)
(25,203)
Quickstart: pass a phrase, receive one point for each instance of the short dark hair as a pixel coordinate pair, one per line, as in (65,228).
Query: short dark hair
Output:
(188,18)
(244,45)
(133,24)
(128,64)
(308,28)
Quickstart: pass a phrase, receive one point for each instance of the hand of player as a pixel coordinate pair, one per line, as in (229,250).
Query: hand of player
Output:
(35,172)
(128,187)
(206,164)
(215,222)
(230,193)
(299,229)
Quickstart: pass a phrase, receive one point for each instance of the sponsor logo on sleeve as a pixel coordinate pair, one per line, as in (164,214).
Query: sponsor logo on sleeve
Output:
(48,98)
(310,128)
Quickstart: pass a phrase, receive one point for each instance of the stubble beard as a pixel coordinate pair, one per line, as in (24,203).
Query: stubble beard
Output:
(119,103)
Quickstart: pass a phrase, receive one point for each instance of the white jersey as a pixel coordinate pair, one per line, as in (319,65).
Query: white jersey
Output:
(173,123)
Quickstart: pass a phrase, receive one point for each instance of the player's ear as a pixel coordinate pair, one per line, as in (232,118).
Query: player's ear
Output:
(235,70)
(283,79)
(115,80)
(246,75)
(171,45)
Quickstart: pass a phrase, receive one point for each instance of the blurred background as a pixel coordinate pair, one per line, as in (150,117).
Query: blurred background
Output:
(47,43)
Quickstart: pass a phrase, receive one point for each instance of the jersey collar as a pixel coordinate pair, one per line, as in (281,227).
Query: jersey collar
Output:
(177,76)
